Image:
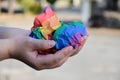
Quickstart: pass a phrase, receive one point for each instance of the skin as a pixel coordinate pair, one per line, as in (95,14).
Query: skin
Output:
(16,44)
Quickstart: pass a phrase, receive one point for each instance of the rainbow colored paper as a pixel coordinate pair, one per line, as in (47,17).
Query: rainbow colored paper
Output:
(69,35)
(47,23)
(48,27)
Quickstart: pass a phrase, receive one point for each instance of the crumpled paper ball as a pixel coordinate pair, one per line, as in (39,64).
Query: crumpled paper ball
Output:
(46,22)
(48,27)
(69,35)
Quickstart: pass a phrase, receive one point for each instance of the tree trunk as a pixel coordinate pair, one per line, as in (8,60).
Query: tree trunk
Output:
(85,10)
(0,6)
(10,6)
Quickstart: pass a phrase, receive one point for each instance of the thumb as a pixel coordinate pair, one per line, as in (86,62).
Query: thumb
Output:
(42,44)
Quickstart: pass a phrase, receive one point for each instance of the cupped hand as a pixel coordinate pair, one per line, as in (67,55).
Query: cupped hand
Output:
(26,49)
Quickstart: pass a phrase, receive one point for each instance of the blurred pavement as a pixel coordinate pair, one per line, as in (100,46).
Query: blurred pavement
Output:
(98,60)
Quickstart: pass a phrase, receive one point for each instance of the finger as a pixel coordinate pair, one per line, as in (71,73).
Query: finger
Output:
(60,63)
(46,61)
(65,52)
(64,58)
(83,39)
(87,32)
(76,51)
(42,44)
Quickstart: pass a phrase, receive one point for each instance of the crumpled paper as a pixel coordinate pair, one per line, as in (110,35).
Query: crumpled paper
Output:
(48,27)
(69,35)
(47,22)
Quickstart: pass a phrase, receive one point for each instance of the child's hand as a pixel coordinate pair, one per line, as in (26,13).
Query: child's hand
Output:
(25,50)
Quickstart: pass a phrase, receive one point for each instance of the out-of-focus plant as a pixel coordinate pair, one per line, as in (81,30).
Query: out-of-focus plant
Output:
(30,6)
(71,2)
(51,1)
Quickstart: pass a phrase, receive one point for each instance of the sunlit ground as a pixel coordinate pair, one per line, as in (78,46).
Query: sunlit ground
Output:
(98,60)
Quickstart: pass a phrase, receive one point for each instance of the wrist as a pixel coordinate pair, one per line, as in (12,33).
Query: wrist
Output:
(12,48)
(16,32)
(6,33)
(6,46)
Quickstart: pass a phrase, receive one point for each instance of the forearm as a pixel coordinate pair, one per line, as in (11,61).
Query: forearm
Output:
(6,32)
(5,45)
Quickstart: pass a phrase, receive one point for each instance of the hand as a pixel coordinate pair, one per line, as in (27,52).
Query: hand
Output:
(25,50)
(6,32)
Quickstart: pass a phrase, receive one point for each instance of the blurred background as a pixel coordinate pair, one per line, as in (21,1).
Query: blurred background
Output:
(100,57)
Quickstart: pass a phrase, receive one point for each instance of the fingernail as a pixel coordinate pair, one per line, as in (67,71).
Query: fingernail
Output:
(51,43)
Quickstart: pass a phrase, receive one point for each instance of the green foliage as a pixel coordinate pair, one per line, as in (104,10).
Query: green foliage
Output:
(35,8)
(30,6)
(71,2)
(51,1)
